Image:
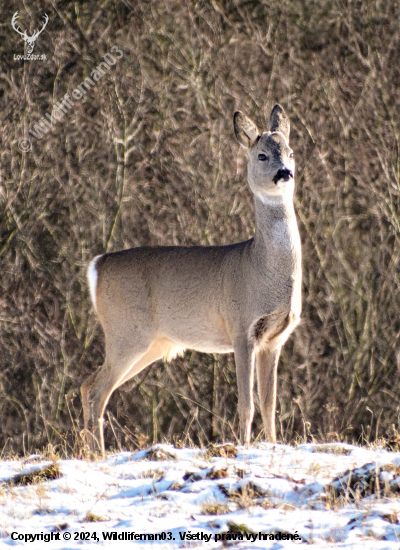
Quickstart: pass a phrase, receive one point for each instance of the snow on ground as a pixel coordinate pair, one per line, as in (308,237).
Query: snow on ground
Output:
(329,496)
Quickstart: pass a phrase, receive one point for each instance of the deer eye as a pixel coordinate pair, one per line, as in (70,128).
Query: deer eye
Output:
(262,157)
(291,155)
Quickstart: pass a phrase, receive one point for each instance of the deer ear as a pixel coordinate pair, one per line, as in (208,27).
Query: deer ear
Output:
(279,121)
(246,130)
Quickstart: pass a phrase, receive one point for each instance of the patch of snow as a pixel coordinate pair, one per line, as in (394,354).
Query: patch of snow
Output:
(267,489)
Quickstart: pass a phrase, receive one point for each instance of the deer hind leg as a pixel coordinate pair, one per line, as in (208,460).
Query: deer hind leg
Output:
(267,367)
(244,360)
(97,389)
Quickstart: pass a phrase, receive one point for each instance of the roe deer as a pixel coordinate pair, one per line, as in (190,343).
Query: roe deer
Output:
(244,297)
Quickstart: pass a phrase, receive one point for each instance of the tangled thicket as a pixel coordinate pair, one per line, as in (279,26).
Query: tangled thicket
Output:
(148,156)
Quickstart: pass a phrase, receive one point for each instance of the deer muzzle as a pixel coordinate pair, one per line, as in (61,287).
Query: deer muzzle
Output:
(283,174)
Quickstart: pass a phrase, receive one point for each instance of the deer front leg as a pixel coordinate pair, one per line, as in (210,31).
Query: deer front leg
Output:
(244,360)
(267,367)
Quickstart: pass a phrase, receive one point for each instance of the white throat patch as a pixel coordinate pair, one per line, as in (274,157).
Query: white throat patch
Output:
(282,184)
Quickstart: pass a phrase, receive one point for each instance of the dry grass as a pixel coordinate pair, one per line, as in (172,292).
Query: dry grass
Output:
(48,473)
(331,449)
(156,474)
(392,517)
(91,517)
(158,455)
(245,496)
(214,508)
(393,441)
(226,450)
(192,476)
(239,528)
(354,485)
(218,473)
(176,486)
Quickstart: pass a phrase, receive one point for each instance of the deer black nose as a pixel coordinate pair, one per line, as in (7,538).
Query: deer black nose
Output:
(283,174)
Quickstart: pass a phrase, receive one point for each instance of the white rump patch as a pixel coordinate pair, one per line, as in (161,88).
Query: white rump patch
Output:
(92,276)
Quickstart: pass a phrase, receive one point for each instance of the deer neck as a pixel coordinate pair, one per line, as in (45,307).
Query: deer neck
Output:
(277,236)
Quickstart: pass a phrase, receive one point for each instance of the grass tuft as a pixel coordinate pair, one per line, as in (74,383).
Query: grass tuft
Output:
(353,485)
(393,443)
(227,450)
(245,496)
(331,449)
(214,508)
(176,486)
(192,476)
(239,528)
(218,473)
(48,473)
(155,475)
(91,517)
(159,455)
(392,517)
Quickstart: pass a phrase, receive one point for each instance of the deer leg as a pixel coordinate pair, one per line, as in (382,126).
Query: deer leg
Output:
(267,367)
(88,414)
(244,360)
(97,389)
(96,392)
